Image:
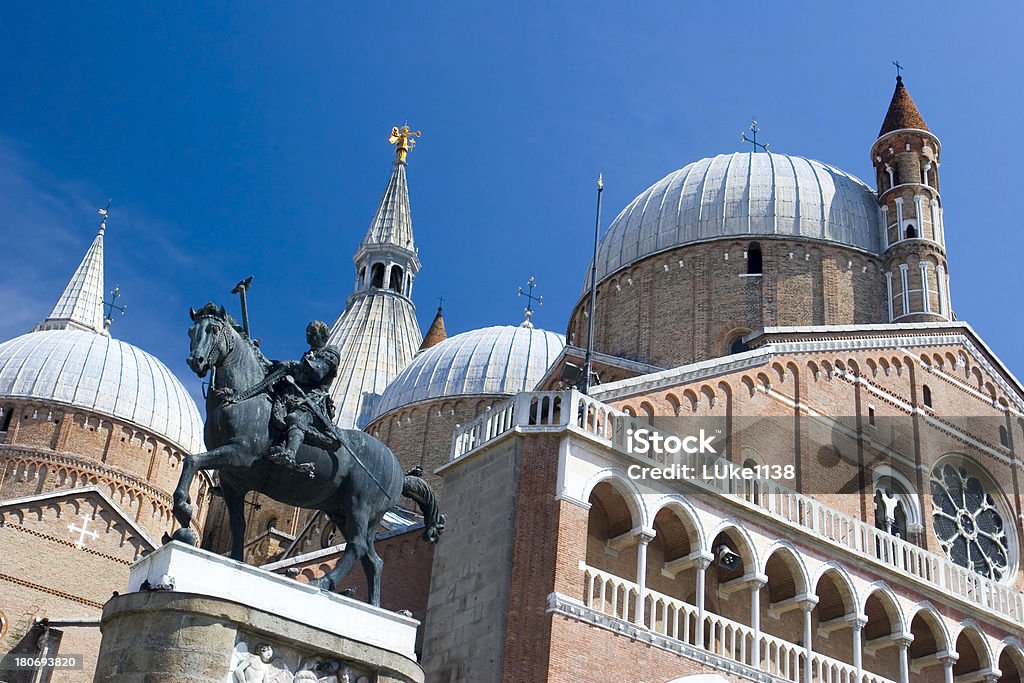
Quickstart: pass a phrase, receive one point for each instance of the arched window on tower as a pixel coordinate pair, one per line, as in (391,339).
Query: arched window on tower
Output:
(926,394)
(396,279)
(911,231)
(377,275)
(755,263)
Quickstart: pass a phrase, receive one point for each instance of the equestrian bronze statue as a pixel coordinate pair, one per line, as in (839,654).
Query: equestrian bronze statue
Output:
(302,461)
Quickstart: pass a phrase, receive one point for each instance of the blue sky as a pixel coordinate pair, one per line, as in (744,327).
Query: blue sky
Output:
(252,139)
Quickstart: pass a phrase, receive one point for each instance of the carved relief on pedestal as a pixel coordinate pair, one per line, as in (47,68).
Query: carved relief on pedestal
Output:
(265,663)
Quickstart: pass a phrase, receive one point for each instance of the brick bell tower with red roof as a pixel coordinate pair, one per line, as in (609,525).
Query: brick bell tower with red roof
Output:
(906,161)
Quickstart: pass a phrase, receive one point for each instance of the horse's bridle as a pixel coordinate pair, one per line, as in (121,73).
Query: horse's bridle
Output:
(228,346)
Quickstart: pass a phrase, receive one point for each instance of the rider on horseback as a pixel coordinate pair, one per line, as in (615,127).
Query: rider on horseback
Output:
(303,408)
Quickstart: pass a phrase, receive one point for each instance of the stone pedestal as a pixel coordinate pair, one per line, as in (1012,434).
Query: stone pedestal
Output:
(227,622)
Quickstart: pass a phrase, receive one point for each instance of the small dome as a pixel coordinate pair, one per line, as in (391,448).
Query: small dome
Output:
(742,194)
(98,373)
(489,361)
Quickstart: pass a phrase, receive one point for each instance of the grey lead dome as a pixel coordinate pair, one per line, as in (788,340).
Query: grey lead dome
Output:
(742,194)
(488,361)
(95,372)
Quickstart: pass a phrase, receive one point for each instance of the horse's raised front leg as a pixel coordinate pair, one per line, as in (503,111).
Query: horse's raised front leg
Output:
(224,456)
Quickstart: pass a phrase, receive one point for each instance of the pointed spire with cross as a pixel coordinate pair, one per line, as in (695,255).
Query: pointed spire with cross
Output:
(80,306)
(531,284)
(899,69)
(753,140)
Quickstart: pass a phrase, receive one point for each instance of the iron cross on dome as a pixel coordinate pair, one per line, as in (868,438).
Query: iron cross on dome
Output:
(531,284)
(112,306)
(753,140)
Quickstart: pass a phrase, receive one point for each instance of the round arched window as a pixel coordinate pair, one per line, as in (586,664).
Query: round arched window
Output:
(3,625)
(968,522)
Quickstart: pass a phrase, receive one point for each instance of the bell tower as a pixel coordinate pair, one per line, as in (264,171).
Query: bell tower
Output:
(377,333)
(906,161)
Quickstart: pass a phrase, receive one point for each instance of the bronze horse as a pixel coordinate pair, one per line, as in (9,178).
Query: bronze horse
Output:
(354,485)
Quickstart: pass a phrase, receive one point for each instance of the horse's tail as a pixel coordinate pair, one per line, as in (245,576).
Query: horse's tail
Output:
(420,491)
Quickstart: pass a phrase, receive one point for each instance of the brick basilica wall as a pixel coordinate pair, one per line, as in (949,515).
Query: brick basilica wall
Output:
(859,387)
(421,434)
(49,447)
(688,304)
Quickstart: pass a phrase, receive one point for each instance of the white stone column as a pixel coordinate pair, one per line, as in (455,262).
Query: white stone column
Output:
(945,289)
(925,295)
(899,218)
(936,232)
(807,607)
(858,646)
(643,538)
(387,277)
(702,567)
(903,644)
(884,215)
(905,281)
(947,665)
(756,584)
(919,212)
(888,293)
(940,278)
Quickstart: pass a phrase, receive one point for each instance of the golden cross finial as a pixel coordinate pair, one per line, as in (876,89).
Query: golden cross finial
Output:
(404,139)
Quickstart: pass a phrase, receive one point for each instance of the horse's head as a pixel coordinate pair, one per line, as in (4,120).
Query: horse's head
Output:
(210,338)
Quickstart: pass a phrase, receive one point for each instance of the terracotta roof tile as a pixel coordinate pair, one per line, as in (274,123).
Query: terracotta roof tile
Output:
(436,334)
(902,112)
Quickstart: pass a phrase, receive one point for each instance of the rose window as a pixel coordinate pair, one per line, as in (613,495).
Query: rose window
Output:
(967,522)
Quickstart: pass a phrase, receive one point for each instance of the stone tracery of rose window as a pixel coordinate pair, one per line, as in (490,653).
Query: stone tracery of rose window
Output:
(968,523)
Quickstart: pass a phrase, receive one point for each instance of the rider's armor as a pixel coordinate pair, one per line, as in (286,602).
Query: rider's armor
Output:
(303,408)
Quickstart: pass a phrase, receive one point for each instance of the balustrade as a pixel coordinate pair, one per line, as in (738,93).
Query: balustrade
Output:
(542,411)
(616,597)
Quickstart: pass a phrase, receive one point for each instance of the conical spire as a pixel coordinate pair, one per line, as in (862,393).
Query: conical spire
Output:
(902,112)
(80,307)
(437,333)
(377,334)
(392,223)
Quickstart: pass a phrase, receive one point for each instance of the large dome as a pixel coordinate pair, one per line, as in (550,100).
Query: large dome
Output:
(492,360)
(741,194)
(98,373)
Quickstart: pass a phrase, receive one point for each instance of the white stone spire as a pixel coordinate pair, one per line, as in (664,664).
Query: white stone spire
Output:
(392,223)
(377,334)
(80,307)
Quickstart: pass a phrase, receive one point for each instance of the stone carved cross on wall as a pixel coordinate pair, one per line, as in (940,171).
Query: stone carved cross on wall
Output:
(83,531)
